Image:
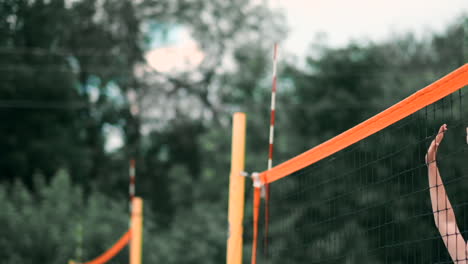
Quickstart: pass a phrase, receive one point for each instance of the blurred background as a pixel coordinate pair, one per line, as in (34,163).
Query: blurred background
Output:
(86,85)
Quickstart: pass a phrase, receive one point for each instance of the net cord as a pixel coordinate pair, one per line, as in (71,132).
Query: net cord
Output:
(111,252)
(452,82)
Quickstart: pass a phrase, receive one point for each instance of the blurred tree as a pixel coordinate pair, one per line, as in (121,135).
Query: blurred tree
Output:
(69,69)
(65,69)
(96,47)
(184,107)
(40,227)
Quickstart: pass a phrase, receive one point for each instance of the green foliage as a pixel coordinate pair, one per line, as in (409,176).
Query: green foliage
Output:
(59,59)
(67,68)
(41,227)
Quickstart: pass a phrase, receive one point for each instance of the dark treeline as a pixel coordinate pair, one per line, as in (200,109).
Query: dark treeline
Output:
(71,71)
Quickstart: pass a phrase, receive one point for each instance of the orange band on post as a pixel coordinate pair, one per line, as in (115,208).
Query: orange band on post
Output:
(109,254)
(424,97)
(256,210)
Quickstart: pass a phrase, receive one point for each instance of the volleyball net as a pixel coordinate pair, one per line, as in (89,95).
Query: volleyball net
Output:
(364,195)
(132,237)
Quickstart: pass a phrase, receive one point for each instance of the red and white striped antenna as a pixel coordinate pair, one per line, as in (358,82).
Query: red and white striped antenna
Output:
(265,189)
(273,106)
(271,141)
(131,185)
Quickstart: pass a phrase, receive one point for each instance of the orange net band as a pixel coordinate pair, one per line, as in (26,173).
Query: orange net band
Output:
(424,97)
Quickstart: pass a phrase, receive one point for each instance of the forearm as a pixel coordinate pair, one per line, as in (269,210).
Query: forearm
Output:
(444,215)
(441,206)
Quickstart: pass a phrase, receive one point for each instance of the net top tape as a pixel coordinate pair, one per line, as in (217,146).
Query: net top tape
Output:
(443,87)
(111,252)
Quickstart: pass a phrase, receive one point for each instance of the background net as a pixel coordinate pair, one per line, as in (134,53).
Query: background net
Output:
(370,202)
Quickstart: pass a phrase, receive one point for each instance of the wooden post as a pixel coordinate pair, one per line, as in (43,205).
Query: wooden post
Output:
(136,238)
(236,191)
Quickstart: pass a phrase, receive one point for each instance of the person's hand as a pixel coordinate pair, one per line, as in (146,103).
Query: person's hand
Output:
(440,135)
(432,151)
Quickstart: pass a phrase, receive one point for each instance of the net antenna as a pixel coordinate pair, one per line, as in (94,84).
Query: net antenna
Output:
(131,185)
(266,188)
(261,189)
(131,196)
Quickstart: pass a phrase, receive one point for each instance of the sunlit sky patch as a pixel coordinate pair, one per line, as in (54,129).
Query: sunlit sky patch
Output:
(341,21)
(178,52)
(377,20)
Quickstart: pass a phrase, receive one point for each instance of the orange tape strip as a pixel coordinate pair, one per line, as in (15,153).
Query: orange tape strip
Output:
(256,210)
(424,97)
(116,248)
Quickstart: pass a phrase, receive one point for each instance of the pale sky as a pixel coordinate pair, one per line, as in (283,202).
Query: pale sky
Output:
(342,21)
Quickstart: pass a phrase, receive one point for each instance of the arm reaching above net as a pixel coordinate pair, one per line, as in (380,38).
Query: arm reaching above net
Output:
(444,215)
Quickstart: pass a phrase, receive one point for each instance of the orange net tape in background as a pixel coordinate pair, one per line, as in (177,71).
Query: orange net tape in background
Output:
(111,252)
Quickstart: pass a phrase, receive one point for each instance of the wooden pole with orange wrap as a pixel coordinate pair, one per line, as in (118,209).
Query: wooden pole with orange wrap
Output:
(236,191)
(136,241)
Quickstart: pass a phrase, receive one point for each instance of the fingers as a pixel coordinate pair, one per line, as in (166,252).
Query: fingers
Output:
(431,152)
(443,128)
(440,135)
